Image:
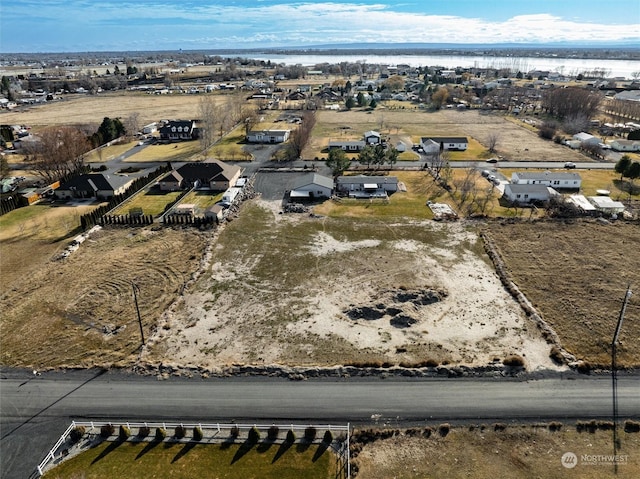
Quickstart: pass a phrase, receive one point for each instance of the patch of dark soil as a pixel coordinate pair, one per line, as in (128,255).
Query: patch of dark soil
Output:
(365,312)
(393,311)
(402,321)
(420,298)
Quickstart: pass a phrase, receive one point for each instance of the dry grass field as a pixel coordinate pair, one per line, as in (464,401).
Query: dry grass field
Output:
(576,274)
(515,141)
(524,452)
(79,312)
(91,109)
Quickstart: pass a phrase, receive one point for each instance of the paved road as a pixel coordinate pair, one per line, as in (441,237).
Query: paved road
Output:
(34,411)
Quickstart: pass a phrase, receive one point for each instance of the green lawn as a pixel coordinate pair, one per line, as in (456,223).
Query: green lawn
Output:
(188,460)
(202,199)
(152,202)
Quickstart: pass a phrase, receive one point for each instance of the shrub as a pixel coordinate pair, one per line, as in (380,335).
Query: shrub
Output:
(499,426)
(234,432)
(557,356)
(631,426)
(124,432)
(427,432)
(444,429)
(254,434)
(555,426)
(272,433)
(197,433)
(513,361)
(107,430)
(161,434)
(144,431)
(76,434)
(328,437)
(291,436)
(310,433)
(180,432)
(584,367)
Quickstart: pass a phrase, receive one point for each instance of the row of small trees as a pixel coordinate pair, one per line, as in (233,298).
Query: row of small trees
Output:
(180,432)
(338,161)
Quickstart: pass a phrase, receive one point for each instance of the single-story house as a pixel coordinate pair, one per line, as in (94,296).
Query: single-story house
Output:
(452,143)
(311,186)
(524,194)
(557,180)
(93,185)
(372,137)
(361,186)
(625,145)
(348,146)
(213,175)
(178,130)
(268,136)
(587,139)
(605,204)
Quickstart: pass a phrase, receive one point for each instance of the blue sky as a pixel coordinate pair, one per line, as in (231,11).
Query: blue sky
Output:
(87,25)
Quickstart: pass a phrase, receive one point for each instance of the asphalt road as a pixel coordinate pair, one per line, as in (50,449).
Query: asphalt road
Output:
(34,411)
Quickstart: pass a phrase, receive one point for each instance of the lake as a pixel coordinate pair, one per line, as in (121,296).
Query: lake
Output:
(566,66)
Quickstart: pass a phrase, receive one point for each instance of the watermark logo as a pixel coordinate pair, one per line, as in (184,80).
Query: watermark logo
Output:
(569,460)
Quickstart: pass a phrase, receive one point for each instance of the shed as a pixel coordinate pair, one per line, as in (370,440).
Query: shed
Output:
(605,204)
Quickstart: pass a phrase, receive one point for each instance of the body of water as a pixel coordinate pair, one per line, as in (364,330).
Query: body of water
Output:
(566,66)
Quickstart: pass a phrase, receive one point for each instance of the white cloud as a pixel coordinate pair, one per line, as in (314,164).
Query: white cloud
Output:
(246,24)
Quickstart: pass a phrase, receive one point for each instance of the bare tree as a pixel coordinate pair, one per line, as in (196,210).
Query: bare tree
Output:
(300,136)
(59,153)
(207,124)
(132,124)
(571,101)
(437,162)
(493,139)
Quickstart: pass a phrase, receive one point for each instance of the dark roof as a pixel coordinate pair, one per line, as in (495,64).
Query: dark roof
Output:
(95,182)
(173,176)
(211,170)
(184,125)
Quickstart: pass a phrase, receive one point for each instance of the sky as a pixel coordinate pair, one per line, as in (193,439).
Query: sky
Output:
(131,25)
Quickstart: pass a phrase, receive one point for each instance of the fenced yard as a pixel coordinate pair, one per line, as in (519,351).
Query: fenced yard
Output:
(199,450)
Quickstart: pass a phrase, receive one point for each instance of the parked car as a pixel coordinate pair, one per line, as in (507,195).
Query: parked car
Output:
(569,165)
(486,173)
(491,178)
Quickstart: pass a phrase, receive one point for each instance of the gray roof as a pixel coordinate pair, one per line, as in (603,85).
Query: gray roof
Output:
(445,139)
(313,178)
(95,182)
(362,179)
(547,175)
(526,189)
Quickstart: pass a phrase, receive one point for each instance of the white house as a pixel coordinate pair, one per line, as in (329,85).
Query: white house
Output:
(268,136)
(587,139)
(361,186)
(348,146)
(524,194)
(450,143)
(605,204)
(625,145)
(557,180)
(311,186)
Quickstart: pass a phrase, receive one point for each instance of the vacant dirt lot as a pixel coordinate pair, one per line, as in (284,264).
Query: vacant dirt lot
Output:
(576,274)
(308,291)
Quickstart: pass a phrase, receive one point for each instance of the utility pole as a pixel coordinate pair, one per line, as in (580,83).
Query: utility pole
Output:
(136,290)
(614,377)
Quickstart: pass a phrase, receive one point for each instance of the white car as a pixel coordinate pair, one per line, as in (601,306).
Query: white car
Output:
(569,165)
